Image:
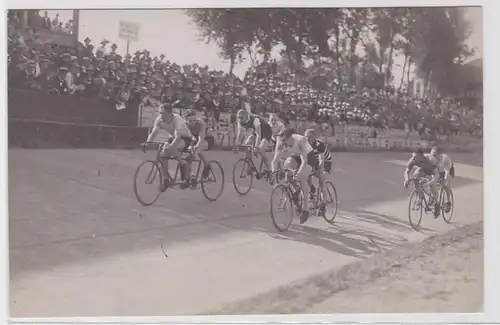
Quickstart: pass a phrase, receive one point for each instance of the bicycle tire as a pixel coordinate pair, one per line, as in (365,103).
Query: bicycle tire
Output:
(286,192)
(211,164)
(157,173)
(415,194)
(442,197)
(334,199)
(250,175)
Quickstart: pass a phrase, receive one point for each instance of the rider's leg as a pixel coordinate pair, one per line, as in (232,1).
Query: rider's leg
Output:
(199,151)
(433,186)
(250,140)
(175,151)
(264,144)
(303,176)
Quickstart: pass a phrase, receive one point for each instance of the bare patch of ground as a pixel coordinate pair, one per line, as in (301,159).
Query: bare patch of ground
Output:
(443,273)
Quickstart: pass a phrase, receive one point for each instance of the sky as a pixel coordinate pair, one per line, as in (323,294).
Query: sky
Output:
(171,32)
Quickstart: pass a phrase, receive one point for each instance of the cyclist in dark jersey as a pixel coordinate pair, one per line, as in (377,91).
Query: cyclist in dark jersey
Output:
(261,136)
(426,167)
(197,127)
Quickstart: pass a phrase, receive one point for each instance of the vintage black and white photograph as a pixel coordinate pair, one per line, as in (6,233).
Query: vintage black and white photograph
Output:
(245,161)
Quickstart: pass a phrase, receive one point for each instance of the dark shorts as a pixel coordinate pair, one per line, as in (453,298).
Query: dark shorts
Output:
(327,166)
(312,160)
(266,131)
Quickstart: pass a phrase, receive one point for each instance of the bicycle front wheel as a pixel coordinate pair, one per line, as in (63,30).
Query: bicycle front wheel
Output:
(212,185)
(281,204)
(148,182)
(446,203)
(415,206)
(331,202)
(242,176)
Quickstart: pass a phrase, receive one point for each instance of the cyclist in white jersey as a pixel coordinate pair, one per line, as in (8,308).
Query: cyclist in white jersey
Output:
(301,157)
(180,136)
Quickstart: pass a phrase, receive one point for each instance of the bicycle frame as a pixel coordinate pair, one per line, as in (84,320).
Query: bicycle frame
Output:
(422,190)
(174,181)
(248,152)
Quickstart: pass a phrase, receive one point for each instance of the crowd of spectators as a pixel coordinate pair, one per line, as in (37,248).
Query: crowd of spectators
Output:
(84,70)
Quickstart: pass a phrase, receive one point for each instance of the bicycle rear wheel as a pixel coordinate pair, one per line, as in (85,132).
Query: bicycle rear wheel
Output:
(281,202)
(446,205)
(148,172)
(215,177)
(242,171)
(415,205)
(331,202)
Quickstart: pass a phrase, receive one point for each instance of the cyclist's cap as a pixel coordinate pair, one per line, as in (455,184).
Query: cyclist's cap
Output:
(418,151)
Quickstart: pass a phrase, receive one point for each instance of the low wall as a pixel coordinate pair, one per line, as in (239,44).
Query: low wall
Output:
(32,134)
(37,105)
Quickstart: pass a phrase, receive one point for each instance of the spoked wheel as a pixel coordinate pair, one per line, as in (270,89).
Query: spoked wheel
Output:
(415,209)
(148,182)
(242,176)
(212,185)
(447,204)
(281,207)
(331,202)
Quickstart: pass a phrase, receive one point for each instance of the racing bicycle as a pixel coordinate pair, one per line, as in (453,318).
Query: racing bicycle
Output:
(421,200)
(288,195)
(156,173)
(245,170)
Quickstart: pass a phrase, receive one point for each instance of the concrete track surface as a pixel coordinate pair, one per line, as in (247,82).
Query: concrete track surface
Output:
(81,245)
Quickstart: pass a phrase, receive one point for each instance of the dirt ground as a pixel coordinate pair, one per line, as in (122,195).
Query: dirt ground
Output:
(442,274)
(450,280)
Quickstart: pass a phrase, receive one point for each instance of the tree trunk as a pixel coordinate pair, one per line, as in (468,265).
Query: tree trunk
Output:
(403,73)
(408,74)
(231,65)
(337,52)
(388,73)
(352,56)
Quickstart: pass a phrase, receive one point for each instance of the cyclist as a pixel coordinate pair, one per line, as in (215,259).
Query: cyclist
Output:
(301,158)
(325,164)
(446,169)
(426,167)
(197,127)
(261,137)
(180,138)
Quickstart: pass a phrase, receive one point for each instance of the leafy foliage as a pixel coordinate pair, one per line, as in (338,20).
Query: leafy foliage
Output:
(432,40)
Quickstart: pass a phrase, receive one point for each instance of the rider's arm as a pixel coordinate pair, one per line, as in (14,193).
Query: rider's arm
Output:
(154,132)
(408,169)
(447,166)
(322,151)
(278,153)
(238,133)
(305,148)
(203,129)
(256,124)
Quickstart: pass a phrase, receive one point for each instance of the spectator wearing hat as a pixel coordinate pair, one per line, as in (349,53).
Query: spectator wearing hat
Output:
(101,51)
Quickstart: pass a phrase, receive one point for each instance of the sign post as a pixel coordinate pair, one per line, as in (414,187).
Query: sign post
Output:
(129,31)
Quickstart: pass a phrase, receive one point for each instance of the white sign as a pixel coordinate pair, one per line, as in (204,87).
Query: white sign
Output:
(129,31)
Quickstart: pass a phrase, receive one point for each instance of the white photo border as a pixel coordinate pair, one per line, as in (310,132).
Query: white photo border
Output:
(491,55)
